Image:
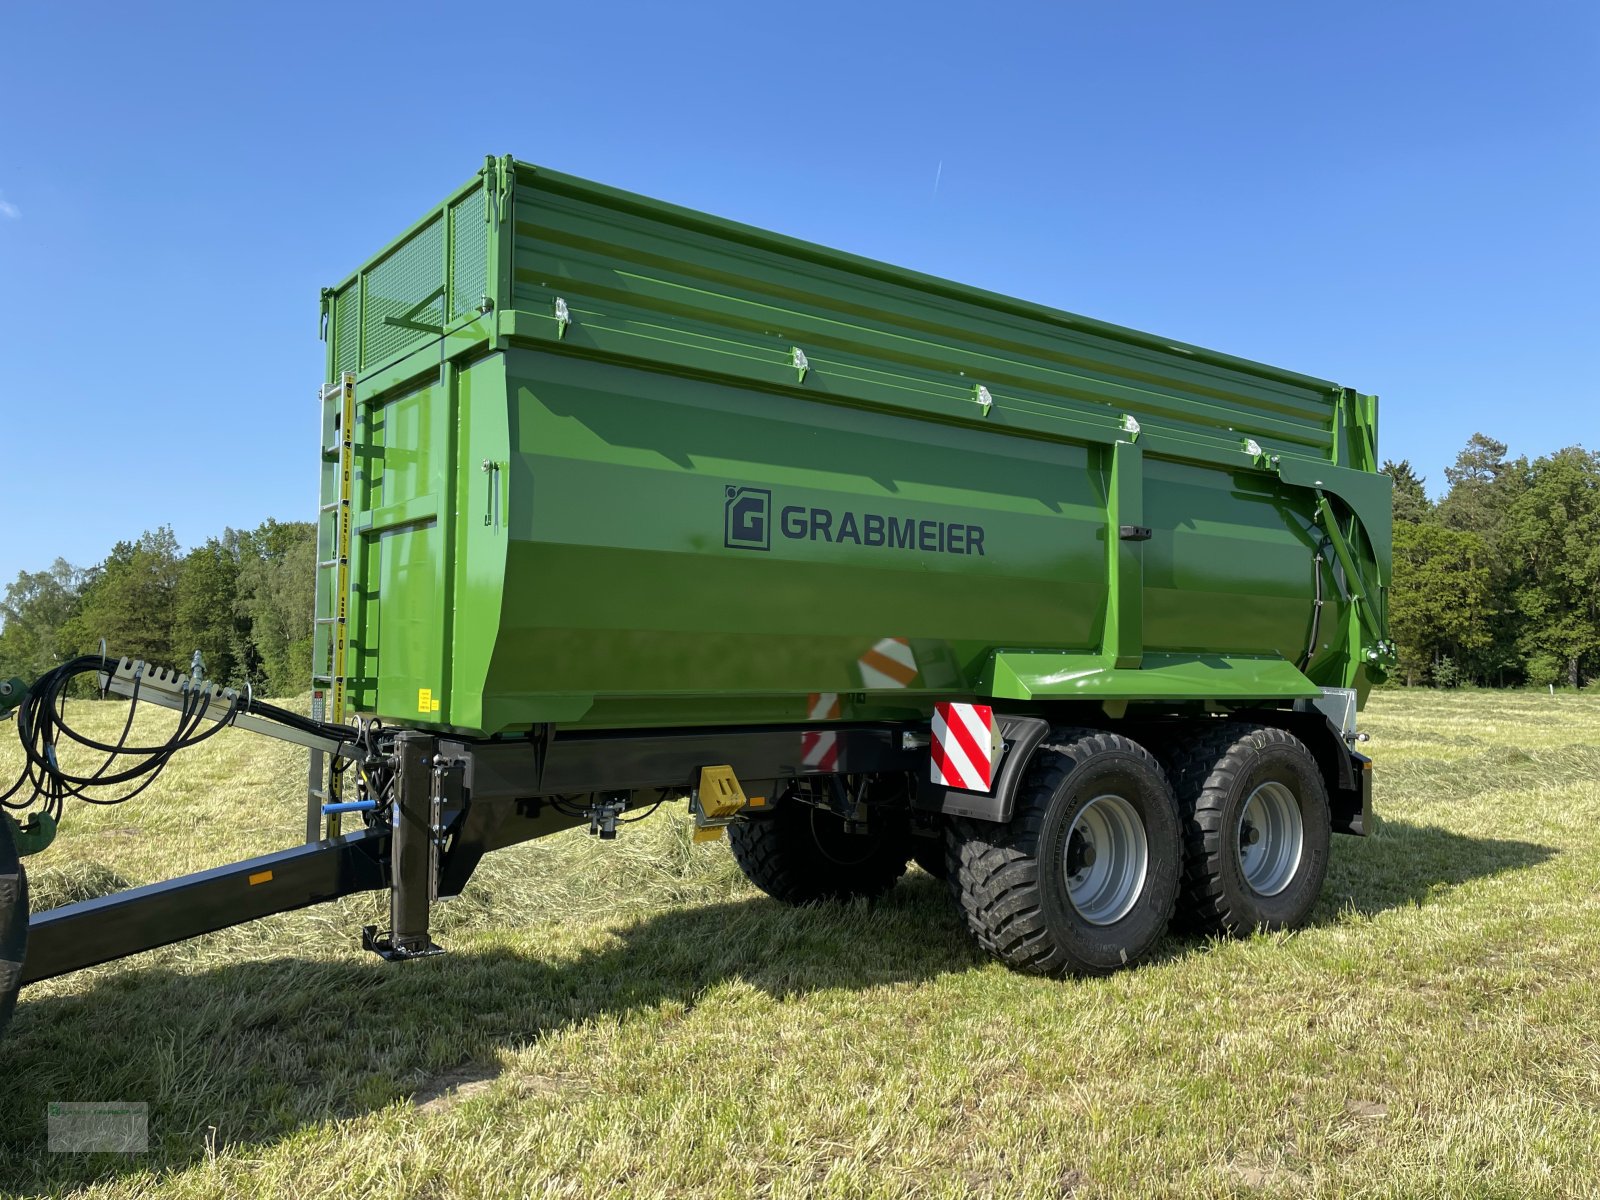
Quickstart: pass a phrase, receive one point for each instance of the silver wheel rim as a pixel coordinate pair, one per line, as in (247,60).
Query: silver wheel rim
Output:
(1270,838)
(1106,858)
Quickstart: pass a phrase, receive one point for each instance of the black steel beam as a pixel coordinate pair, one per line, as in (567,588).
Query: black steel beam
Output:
(90,932)
(576,762)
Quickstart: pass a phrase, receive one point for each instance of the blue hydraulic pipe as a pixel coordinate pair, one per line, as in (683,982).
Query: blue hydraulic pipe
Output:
(345,806)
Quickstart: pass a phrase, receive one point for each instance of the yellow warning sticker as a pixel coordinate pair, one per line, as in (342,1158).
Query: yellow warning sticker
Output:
(424,700)
(436,704)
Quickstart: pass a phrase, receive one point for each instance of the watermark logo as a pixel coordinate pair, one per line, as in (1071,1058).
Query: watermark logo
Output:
(115,1127)
(747,519)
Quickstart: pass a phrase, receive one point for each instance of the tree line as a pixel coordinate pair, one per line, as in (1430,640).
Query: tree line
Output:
(1497,584)
(244,600)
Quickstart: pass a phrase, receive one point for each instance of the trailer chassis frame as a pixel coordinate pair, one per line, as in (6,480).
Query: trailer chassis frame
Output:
(454,801)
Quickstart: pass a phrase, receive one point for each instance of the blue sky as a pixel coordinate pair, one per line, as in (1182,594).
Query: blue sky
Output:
(1402,197)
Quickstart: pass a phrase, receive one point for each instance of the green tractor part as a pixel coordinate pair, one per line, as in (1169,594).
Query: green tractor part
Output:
(33,835)
(13,919)
(12,693)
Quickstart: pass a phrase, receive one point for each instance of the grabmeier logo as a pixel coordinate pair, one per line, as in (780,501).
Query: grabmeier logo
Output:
(747,519)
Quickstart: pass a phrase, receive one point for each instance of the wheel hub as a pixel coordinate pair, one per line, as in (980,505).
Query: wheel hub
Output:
(1106,858)
(1271,838)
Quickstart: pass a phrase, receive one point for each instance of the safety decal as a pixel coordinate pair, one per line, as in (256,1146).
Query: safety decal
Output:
(966,742)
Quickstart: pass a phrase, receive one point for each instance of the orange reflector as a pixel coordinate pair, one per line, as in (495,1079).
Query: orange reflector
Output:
(260,877)
(757,802)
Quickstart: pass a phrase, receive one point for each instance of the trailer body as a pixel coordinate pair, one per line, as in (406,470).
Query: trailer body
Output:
(620,464)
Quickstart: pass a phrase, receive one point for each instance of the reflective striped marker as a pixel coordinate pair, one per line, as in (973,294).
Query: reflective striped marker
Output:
(966,741)
(819,748)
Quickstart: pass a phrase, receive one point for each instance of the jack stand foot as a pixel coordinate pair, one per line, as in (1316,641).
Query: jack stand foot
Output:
(383,945)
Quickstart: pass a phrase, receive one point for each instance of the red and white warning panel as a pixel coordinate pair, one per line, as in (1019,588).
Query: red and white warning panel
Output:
(966,743)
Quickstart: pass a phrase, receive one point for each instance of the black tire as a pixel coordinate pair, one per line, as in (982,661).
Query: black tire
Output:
(1215,773)
(1015,883)
(801,854)
(13,922)
(932,855)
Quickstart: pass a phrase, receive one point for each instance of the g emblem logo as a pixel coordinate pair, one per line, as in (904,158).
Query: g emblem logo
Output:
(746,519)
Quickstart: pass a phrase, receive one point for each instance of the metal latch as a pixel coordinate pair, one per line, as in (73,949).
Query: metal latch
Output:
(1133,533)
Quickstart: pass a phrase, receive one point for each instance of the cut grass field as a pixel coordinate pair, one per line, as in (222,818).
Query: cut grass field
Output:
(633,1018)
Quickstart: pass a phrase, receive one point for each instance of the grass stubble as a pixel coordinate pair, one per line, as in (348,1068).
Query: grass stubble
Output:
(633,1018)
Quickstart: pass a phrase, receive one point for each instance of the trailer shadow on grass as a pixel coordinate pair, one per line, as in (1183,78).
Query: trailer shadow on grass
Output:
(250,1050)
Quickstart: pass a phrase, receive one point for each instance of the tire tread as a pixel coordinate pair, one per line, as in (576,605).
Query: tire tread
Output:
(1204,770)
(995,876)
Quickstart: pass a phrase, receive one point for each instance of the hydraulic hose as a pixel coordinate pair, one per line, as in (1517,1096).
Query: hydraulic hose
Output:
(42,725)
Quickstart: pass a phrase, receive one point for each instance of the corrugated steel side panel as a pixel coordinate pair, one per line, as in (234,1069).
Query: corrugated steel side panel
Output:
(652,280)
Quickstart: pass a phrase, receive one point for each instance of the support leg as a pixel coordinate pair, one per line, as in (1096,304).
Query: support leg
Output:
(413,853)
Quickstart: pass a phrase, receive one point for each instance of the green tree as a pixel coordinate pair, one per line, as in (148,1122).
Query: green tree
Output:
(1439,597)
(128,601)
(205,612)
(1411,501)
(276,595)
(1552,540)
(1484,483)
(37,608)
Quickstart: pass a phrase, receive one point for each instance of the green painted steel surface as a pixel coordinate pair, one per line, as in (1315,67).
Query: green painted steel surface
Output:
(624,464)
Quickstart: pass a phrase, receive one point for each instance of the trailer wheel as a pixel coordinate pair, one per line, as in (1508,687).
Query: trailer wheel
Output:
(1083,878)
(13,922)
(802,854)
(1256,829)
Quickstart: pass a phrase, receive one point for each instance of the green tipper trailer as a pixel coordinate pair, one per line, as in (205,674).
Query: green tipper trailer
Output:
(622,464)
(616,496)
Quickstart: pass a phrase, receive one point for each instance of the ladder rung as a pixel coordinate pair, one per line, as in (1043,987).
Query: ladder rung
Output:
(329,620)
(322,678)
(331,507)
(327,562)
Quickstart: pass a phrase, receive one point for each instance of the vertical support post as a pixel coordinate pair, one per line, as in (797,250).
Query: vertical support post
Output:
(412,859)
(446,435)
(314,796)
(1123,641)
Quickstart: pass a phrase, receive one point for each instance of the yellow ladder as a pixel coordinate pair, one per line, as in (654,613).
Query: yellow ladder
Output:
(331,636)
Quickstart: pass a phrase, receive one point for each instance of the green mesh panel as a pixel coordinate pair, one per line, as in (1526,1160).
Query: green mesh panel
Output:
(347,331)
(396,285)
(469,263)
